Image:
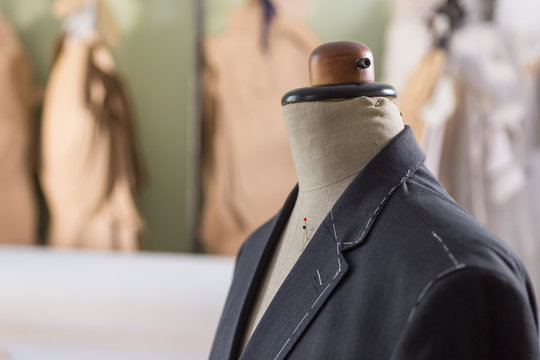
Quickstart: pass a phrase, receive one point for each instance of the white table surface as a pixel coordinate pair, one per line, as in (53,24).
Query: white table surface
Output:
(60,304)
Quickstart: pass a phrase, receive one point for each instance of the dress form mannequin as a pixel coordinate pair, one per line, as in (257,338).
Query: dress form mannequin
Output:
(335,128)
(396,270)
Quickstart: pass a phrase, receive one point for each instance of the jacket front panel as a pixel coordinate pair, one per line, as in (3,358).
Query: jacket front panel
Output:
(386,276)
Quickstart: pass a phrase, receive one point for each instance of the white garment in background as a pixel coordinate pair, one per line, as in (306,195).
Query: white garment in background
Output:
(435,114)
(519,18)
(483,158)
(407,40)
(489,152)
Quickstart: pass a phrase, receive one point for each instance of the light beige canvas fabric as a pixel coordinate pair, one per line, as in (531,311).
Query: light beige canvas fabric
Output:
(247,166)
(18,209)
(88,157)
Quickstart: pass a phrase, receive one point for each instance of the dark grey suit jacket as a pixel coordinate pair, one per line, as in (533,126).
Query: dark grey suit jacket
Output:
(405,274)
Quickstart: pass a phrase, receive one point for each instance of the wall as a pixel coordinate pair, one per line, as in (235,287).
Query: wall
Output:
(156,56)
(364,21)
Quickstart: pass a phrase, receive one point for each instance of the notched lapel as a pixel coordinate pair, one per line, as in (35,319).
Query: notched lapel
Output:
(232,321)
(249,274)
(297,301)
(358,208)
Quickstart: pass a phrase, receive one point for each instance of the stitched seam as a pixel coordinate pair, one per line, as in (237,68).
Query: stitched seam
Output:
(464,268)
(430,285)
(340,244)
(457,265)
(301,321)
(379,208)
(280,351)
(448,252)
(434,234)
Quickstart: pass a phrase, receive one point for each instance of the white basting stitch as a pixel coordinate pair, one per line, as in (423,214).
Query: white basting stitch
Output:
(289,339)
(338,244)
(338,260)
(319,274)
(457,266)
(321,294)
(301,321)
(333,224)
(369,221)
(448,252)
(428,286)
(385,198)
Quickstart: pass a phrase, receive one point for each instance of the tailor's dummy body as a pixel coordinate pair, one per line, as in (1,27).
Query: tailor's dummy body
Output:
(332,140)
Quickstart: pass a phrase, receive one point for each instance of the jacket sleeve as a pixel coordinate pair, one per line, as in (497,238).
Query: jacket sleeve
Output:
(472,314)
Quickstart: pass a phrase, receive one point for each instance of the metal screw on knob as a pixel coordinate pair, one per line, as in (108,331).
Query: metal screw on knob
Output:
(363,63)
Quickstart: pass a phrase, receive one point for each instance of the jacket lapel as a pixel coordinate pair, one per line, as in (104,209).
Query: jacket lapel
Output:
(310,283)
(322,266)
(249,274)
(356,211)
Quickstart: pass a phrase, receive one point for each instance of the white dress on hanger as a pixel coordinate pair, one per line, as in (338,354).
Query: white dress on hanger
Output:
(483,162)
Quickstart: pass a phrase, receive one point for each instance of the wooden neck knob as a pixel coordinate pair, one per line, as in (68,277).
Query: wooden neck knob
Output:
(341,62)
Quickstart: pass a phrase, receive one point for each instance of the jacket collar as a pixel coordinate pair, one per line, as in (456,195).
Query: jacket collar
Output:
(322,265)
(355,212)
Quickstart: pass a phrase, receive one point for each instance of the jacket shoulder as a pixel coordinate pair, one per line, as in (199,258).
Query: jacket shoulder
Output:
(486,314)
(457,237)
